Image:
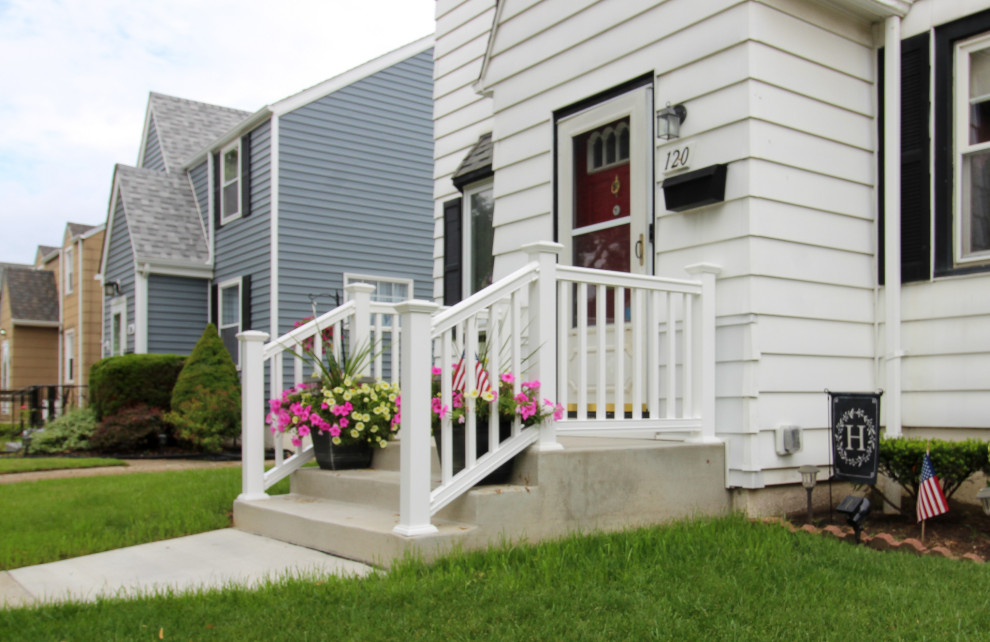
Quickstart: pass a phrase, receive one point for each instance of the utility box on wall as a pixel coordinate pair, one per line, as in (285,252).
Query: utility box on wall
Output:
(693,189)
(788,440)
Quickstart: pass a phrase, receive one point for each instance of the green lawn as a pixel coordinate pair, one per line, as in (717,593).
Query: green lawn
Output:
(724,579)
(31,464)
(48,520)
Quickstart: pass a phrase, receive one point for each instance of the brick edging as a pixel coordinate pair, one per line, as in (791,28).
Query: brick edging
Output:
(879,542)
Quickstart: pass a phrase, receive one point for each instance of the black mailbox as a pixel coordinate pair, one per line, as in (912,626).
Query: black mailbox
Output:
(694,189)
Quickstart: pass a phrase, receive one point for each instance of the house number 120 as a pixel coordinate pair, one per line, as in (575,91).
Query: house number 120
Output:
(677,158)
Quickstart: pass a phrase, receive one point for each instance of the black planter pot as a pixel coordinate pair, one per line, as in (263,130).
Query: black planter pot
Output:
(501,474)
(342,457)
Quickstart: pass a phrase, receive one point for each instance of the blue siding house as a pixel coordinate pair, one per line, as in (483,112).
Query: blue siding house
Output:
(255,221)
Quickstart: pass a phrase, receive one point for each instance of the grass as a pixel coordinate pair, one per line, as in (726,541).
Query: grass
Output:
(709,579)
(49,520)
(31,464)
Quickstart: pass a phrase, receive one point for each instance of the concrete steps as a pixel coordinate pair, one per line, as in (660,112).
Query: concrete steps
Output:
(591,484)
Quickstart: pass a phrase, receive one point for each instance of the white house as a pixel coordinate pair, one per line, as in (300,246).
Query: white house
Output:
(744,265)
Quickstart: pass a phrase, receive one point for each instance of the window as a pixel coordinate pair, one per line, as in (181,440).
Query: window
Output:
(608,146)
(971,124)
(69,271)
(387,289)
(70,356)
(479,234)
(229,308)
(230,190)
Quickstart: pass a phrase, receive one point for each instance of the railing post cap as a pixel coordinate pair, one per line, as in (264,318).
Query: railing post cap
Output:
(540,247)
(252,336)
(704,268)
(359,287)
(413,306)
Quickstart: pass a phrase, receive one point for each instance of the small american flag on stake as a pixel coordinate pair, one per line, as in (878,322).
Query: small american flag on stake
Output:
(480,377)
(931,501)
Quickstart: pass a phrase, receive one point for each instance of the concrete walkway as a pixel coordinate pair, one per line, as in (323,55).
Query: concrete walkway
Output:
(215,559)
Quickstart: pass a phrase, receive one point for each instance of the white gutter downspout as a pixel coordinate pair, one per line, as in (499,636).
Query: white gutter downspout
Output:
(892,228)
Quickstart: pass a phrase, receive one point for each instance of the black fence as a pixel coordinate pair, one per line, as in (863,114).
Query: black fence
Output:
(33,406)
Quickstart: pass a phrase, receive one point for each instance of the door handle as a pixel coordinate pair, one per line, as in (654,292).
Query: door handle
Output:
(639,249)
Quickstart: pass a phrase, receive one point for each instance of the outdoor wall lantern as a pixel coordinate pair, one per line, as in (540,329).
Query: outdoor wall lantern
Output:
(855,509)
(669,121)
(808,480)
(111,288)
(984,496)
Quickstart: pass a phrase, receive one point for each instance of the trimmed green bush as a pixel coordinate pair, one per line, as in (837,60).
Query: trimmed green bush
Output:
(130,430)
(69,433)
(206,400)
(954,461)
(118,382)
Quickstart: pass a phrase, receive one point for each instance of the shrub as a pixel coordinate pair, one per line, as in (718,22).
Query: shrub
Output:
(133,429)
(206,400)
(954,461)
(69,433)
(131,379)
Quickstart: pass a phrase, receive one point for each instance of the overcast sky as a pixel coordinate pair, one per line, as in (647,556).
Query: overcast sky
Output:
(75,77)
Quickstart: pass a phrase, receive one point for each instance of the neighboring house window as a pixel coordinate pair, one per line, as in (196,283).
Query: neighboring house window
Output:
(971,124)
(387,289)
(229,309)
(118,326)
(69,271)
(5,375)
(70,356)
(230,188)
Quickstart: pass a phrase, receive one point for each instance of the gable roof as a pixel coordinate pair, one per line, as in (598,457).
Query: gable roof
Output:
(162,217)
(185,127)
(45,254)
(32,293)
(78,229)
(477,164)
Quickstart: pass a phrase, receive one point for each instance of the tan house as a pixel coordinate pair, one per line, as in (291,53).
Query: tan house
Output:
(80,306)
(29,329)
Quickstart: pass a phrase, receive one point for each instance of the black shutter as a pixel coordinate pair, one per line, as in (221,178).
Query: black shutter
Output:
(216,191)
(915,175)
(916,241)
(246,175)
(246,302)
(452,271)
(214,308)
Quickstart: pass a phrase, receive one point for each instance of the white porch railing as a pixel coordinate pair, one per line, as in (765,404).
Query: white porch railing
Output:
(623,352)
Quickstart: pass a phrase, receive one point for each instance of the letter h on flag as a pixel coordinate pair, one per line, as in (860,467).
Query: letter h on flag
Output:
(481,382)
(931,501)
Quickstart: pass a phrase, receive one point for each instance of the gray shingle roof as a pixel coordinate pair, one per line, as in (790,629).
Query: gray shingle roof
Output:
(32,294)
(45,251)
(477,164)
(76,229)
(186,127)
(162,217)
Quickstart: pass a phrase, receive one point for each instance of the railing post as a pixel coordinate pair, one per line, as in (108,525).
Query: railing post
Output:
(252,415)
(705,396)
(360,293)
(543,328)
(414,430)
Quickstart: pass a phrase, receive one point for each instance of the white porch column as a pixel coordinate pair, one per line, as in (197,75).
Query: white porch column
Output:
(543,328)
(705,392)
(252,415)
(360,293)
(414,432)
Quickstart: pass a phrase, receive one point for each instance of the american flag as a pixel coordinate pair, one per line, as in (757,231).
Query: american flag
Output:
(931,501)
(481,382)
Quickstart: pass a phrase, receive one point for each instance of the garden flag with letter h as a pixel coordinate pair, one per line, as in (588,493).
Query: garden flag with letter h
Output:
(931,501)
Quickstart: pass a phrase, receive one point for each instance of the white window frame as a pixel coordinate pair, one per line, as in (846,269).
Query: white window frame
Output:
(70,356)
(963,148)
(230,284)
(616,132)
(225,183)
(69,269)
(118,305)
(467,247)
(376,280)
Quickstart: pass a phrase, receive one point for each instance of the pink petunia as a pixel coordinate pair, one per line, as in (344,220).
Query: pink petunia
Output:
(436,371)
(507,377)
(534,384)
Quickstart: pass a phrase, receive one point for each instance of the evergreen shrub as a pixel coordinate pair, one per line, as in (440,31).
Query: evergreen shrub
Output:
(954,461)
(69,433)
(206,399)
(131,379)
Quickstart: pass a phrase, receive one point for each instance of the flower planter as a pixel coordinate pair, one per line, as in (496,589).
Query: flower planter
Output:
(340,457)
(501,474)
